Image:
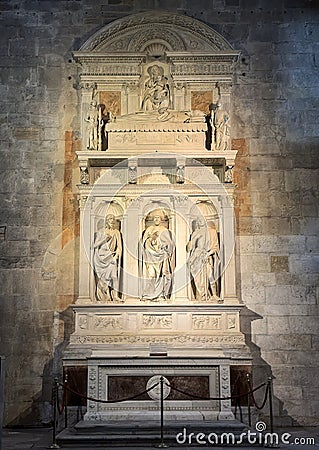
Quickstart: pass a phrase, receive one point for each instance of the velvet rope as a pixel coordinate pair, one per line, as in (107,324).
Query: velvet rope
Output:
(217,398)
(265,397)
(108,401)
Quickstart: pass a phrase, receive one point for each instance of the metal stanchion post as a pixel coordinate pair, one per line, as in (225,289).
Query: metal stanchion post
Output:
(271,417)
(248,400)
(1,396)
(54,401)
(65,398)
(162,443)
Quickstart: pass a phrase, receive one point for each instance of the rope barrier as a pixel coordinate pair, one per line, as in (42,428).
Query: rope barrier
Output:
(265,398)
(92,399)
(250,392)
(216,398)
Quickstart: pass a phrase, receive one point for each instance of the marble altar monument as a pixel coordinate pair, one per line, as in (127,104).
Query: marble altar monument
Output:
(157,275)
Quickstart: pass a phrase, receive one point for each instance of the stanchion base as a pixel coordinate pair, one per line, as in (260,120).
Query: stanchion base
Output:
(161,445)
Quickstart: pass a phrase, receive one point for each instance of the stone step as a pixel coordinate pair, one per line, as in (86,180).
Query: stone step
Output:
(125,434)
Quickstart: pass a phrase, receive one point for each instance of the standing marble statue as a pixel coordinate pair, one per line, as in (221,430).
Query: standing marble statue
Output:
(203,260)
(106,260)
(157,247)
(221,128)
(93,126)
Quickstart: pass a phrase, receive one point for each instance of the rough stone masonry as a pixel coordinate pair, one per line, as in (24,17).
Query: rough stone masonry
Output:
(275,130)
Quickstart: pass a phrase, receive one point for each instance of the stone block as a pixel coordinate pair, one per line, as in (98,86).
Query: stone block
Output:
(298,325)
(64,302)
(25,184)
(310,210)
(284,341)
(260,33)
(269,163)
(249,226)
(309,226)
(255,263)
(304,264)
(302,279)
(304,78)
(265,244)
(312,244)
(37,248)
(279,264)
(261,62)
(26,134)
(294,309)
(263,279)
(278,294)
(299,375)
(42,215)
(19,47)
(276,358)
(260,205)
(51,134)
(45,302)
(292,180)
(259,327)
(276,225)
(253,295)
(279,324)
(24,281)
(18,248)
(23,302)
(270,146)
(285,204)
(295,60)
(268,181)
(289,295)
(303,358)
(21,233)
(5,282)
(245,244)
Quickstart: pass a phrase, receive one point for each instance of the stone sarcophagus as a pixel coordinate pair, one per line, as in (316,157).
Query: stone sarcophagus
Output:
(157,281)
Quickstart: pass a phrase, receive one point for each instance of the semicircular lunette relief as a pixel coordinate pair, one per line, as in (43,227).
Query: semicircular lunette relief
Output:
(179,33)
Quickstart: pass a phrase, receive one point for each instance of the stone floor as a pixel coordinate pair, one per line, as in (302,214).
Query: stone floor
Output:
(41,438)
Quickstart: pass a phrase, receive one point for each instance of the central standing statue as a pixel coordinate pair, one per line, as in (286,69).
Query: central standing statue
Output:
(157,248)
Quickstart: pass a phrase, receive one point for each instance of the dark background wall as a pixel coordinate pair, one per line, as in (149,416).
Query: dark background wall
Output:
(275,130)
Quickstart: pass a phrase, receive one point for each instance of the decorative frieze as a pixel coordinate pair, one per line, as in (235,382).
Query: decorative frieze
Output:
(108,322)
(228,340)
(206,322)
(157,321)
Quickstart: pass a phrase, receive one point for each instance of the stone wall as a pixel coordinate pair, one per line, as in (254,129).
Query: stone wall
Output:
(274,117)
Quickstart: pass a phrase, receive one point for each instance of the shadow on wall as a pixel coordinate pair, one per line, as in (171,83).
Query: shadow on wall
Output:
(261,371)
(40,412)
